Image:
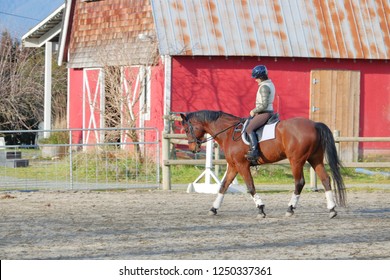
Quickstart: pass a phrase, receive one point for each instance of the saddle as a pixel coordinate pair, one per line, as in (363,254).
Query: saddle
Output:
(265,132)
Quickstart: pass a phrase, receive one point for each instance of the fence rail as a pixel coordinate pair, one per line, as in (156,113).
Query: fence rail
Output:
(339,140)
(169,138)
(112,161)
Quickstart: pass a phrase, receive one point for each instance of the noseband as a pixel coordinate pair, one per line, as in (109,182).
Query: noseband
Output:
(197,141)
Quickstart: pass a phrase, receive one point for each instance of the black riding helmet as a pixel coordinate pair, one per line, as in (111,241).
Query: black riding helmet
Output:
(260,72)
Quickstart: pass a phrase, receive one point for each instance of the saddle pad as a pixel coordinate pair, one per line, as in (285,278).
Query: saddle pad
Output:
(264,133)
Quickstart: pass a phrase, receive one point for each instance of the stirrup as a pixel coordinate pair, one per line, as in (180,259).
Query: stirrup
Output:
(252,158)
(253,154)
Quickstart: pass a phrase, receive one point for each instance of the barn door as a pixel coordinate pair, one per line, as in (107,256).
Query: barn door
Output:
(93,105)
(335,101)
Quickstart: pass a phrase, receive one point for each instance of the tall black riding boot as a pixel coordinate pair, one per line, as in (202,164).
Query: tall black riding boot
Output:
(254,152)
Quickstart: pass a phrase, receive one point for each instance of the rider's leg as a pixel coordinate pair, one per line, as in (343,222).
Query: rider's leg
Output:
(255,123)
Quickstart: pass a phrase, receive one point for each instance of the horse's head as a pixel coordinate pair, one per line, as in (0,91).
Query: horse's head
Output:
(194,131)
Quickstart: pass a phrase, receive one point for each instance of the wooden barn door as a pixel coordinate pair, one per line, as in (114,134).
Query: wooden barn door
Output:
(335,101)
(93,105)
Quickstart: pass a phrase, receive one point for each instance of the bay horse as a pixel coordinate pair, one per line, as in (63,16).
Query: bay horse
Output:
(297,139)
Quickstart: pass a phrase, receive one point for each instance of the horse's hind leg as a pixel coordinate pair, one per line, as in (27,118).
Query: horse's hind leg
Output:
(325,179)
(299,180)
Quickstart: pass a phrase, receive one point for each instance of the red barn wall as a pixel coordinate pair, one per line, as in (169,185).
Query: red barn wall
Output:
(220,83)
(157,100)
(76,102)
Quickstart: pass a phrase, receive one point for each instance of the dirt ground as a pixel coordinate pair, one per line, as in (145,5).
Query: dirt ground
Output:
(176,225)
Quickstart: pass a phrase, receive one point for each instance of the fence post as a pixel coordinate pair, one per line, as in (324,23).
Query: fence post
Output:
(336,134)
(70,149)
(313,180)
(166,169)
(217,156)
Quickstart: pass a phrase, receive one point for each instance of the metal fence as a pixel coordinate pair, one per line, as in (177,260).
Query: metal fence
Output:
(116,158)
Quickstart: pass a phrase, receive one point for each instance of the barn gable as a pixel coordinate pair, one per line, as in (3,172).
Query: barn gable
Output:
(112,32)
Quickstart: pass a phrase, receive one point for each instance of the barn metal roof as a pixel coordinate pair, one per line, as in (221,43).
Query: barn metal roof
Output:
(295,28)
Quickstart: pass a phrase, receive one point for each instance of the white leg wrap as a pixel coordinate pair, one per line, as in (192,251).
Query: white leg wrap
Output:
(330,200)
(294,200)
(218,201)
(257,200)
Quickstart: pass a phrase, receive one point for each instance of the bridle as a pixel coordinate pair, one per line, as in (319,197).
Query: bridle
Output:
(200,142)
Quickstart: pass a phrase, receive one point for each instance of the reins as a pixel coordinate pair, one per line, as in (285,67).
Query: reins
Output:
(199,142)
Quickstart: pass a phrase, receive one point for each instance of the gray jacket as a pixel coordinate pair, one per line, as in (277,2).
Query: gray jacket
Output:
(265,97)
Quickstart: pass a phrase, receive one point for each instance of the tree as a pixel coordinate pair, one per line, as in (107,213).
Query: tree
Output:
(21,92)
(22,86)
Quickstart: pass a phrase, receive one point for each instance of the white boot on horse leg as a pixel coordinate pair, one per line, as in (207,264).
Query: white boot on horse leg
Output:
(217,204)
(331,204)
(260,205)
(292,205)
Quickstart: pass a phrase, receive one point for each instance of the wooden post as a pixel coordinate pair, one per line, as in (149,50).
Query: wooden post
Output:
(166,169)
(313,180)
(336,134)
(216,157)
(47,95)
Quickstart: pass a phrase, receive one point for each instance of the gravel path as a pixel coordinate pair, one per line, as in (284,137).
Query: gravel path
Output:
(141,224)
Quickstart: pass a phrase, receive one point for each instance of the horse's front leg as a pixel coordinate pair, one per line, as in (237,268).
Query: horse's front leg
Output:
(231,173)
(247,176)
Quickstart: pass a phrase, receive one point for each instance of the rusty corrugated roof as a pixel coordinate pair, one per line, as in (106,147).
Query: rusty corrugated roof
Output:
(353,29)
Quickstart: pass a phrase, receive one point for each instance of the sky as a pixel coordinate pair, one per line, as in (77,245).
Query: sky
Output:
(19,16)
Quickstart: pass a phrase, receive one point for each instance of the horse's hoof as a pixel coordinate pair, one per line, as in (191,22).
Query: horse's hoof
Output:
(290,211)
(289,214)
(332,213)
(261,216)
(213,212)
(261,212)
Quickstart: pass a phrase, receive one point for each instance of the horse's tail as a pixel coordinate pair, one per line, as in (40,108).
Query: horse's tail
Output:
(328,144)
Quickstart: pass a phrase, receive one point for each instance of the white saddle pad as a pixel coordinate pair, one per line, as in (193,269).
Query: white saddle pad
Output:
(266,132)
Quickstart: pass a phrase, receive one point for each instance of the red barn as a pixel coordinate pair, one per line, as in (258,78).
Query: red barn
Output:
(327,58)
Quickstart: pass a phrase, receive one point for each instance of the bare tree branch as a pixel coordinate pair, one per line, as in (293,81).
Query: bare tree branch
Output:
(22,86)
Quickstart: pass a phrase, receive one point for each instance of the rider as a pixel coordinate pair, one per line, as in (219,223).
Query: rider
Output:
(263,110)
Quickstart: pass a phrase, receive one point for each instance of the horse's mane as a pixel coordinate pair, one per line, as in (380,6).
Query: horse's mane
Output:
(208,115)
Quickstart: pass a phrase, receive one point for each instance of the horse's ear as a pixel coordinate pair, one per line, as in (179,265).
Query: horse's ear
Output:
(183,117)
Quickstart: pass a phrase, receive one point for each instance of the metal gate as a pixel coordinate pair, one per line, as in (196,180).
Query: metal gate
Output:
(108,165)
